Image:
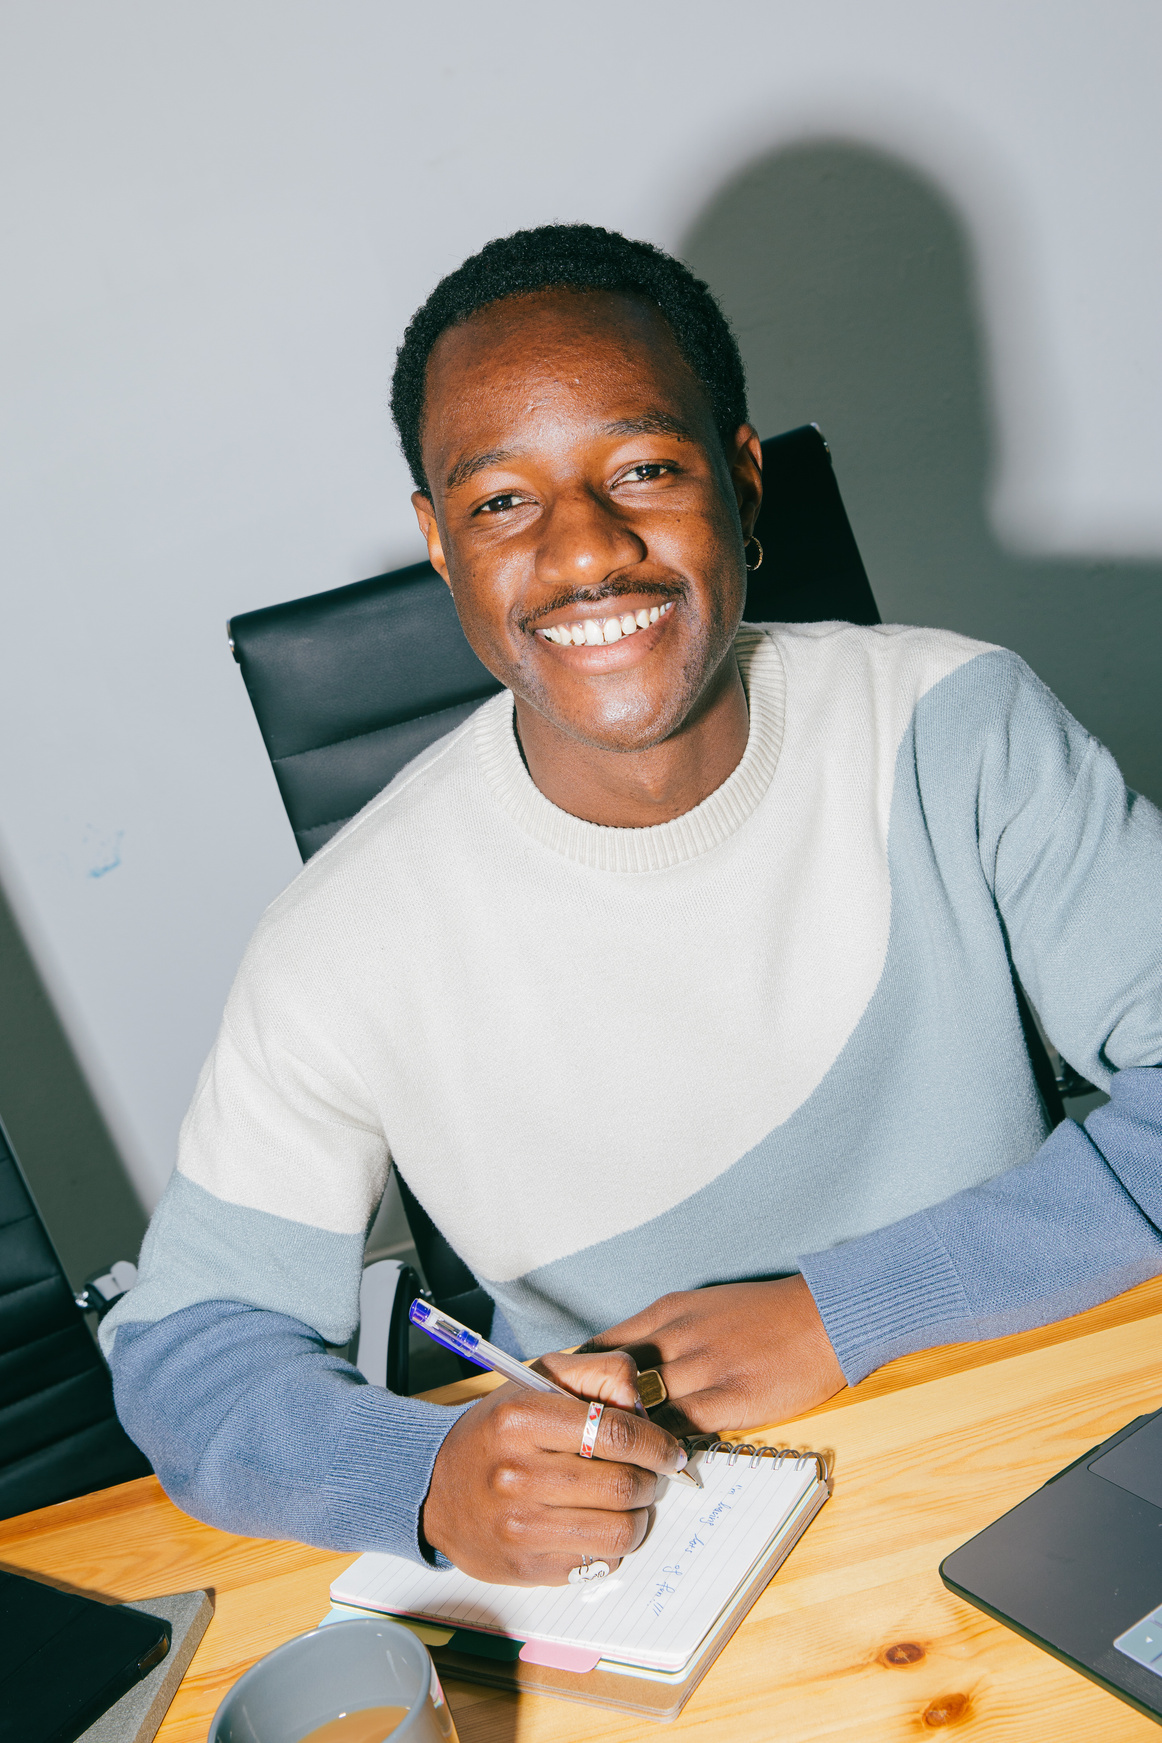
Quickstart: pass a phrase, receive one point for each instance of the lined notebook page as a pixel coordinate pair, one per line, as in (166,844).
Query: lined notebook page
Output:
(654,1610)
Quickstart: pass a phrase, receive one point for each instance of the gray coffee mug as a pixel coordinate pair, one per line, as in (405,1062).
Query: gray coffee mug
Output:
(333,1670)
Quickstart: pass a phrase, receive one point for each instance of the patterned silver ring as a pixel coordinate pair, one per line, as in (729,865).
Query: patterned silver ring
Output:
(589,1570)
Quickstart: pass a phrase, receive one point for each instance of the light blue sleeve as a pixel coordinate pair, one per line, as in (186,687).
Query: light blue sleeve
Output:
(248,1418)
(1074,861)
(254,1426)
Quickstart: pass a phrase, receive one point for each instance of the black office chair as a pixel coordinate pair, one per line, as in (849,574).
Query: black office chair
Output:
(59,1434)
(349,685)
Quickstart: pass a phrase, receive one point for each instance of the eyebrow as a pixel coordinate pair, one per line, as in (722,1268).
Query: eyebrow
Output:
(652,423)
(470,464)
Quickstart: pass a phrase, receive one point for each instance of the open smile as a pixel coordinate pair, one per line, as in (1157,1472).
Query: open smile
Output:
(596,632)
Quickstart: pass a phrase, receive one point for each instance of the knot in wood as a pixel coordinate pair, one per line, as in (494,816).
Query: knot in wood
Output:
(946,1710)
(903,1652)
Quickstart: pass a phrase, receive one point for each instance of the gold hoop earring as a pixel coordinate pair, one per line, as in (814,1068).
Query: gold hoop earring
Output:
(751,567)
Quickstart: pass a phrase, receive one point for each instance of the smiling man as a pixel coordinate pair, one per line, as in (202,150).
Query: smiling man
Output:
(678,982)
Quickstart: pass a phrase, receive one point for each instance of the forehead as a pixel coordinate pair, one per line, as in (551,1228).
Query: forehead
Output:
(522,367)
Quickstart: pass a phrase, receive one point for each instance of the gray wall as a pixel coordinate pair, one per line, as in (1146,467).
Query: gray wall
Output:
(937,228)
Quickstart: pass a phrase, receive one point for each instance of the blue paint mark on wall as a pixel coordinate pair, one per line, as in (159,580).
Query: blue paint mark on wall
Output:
(104,852)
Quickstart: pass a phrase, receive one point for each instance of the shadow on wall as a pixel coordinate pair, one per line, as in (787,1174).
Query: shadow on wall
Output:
(56,1128)
(849,281)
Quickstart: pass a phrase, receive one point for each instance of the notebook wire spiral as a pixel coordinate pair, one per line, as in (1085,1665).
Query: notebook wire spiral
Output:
(712,1448)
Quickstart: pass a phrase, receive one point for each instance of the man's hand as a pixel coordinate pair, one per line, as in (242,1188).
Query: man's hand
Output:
(511,1501)
(735,1356)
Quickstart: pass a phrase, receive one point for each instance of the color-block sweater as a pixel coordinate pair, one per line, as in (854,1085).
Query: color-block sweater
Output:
(779,1033)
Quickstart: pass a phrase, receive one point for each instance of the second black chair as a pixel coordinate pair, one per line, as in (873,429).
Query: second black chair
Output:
(59,1435)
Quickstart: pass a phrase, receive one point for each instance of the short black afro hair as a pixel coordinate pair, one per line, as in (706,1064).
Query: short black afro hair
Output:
(572,257)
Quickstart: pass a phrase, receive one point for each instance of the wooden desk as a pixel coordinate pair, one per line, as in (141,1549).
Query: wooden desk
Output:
(854,1641)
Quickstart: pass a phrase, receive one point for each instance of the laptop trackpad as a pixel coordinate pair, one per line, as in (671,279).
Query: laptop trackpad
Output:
(1136,1463)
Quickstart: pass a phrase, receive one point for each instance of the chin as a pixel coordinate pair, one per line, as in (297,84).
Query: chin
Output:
(624,733)
(624,718)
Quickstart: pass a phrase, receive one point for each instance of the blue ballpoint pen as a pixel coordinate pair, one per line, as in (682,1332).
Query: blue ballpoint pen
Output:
(462,1341)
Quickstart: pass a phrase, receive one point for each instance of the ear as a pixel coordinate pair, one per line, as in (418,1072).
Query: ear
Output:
(746,473)
(426,515)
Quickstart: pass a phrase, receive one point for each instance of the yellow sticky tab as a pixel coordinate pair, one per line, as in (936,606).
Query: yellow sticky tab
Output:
(424,1631)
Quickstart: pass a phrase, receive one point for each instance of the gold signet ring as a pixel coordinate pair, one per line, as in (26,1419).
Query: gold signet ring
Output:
(651,1389)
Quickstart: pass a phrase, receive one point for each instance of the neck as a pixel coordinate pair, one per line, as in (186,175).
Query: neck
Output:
(636,789)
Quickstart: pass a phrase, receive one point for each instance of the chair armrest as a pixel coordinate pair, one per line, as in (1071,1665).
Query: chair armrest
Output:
(102,1290)
(386,1292)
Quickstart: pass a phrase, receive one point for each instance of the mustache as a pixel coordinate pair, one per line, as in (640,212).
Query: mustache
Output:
(582,597)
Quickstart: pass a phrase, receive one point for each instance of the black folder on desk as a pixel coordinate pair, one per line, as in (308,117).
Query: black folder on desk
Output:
(1077,1568)
(65,1659)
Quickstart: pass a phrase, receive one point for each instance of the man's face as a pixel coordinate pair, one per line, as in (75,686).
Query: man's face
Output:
(584,514)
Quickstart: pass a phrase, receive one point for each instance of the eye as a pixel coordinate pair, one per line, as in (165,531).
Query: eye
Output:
(645,471)
(500,504)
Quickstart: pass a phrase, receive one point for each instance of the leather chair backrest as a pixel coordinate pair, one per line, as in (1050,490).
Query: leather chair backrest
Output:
(349,685)
(59,1436)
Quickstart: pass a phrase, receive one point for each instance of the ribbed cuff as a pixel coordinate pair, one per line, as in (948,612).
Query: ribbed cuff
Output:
(886,1294)
(1127,1133)
(381,1471)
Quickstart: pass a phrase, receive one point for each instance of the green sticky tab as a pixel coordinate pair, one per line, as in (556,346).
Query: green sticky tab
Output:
(485,1645)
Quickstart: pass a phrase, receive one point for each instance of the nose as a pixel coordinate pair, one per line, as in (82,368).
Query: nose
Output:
(584,540)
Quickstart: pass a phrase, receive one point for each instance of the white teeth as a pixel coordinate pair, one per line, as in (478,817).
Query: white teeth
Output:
(593,633)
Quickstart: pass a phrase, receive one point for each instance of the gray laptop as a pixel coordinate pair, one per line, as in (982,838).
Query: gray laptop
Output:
(1077,1568)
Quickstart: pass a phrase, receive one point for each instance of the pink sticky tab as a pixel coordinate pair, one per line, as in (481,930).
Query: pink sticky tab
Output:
(544,1652)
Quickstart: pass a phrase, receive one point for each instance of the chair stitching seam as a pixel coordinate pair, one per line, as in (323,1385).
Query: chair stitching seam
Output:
(354,737)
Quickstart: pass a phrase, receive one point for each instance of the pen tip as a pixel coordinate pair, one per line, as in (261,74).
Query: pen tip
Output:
(691,1477)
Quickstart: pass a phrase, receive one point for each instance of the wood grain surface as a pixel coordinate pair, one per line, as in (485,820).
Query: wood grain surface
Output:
(855,1640)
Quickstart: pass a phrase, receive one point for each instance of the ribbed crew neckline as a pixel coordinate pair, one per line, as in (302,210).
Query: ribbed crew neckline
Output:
(662,845)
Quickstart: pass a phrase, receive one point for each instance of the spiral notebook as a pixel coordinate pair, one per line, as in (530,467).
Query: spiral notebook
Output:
(663,1615)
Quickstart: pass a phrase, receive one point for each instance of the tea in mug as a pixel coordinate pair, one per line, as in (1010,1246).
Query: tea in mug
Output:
(368,1725)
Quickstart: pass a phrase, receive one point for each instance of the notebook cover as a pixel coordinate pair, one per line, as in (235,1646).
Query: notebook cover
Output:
(67,1656)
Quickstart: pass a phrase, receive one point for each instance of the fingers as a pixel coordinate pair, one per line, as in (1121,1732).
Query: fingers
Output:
(566,1482)
(540,1546)
(715,1409)
(601,1536)
(641,1329)
(684,1375)
(635,1440)
(667,1330)
(554,1424)
(510,1500)
(688,1416)
(610,1377)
